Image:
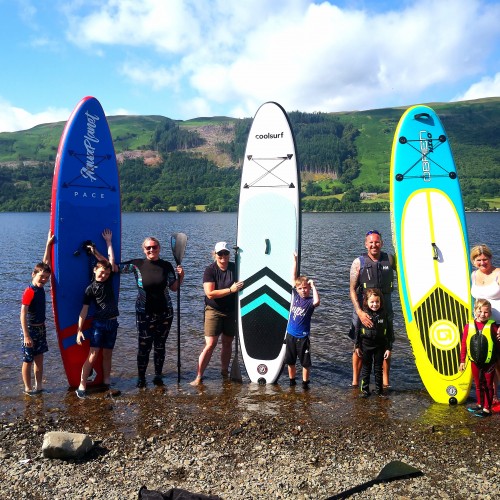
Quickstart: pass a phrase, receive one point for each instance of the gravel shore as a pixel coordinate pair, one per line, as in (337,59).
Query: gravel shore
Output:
(239,444)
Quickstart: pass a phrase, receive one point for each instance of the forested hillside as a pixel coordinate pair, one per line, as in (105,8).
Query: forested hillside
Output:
(343,156)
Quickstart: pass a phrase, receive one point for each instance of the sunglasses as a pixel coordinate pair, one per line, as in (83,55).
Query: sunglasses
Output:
(223,253)
(373,231)
(152,247)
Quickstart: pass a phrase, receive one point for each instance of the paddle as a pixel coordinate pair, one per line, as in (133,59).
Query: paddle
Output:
(235,365)
(178,242)
(392,471)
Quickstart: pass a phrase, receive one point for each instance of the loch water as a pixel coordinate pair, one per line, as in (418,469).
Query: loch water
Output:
(330,241)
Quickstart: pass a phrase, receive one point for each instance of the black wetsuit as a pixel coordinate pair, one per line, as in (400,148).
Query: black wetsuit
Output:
(373,343)
(154,311)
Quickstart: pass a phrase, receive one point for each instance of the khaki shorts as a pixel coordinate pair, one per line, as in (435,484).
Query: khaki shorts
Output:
(217,322)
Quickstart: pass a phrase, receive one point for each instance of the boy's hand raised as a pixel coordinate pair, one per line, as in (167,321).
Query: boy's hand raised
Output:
(107,234)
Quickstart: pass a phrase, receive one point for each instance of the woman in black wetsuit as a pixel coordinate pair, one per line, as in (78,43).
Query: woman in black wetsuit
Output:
(154,312)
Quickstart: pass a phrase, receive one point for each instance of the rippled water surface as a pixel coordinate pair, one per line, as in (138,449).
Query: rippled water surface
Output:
(329,244)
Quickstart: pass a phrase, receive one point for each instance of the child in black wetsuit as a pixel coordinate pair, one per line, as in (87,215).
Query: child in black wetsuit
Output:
(104,329)
(374,345)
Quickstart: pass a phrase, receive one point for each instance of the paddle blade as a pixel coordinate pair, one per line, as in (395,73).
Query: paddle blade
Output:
(178,242)
(398,470)
(392,471)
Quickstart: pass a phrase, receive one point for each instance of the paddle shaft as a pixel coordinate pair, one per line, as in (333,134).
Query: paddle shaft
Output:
(179,332)
(356,489)
(178,249)
(235,365)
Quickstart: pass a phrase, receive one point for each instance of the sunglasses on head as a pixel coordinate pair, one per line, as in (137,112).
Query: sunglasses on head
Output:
(151,247)
(222,252)
(373,231)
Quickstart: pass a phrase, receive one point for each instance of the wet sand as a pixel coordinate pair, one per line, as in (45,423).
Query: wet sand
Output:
(241,441)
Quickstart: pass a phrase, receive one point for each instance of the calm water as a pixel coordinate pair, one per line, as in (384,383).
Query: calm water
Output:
(329,244)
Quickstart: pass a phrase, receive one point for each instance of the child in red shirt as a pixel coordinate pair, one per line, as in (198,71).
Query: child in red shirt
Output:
(33,332)
(482,352)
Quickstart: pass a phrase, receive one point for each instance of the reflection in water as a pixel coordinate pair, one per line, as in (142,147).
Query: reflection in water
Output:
(330,242)
(443,419)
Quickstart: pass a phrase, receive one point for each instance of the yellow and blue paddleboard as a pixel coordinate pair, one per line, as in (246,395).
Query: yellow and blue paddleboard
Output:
(430,239)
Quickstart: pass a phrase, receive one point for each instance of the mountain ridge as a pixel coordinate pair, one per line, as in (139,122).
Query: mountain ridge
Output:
(473,128)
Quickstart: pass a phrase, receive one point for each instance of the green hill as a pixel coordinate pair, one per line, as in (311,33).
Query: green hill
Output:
(473,128)
(40,143)
(341,155)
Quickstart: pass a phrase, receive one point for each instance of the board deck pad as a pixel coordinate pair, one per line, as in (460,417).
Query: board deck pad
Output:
(267,237)
(85,201)
(430,238)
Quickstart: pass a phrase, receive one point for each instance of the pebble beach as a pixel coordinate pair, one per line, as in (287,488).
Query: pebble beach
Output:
(242,441)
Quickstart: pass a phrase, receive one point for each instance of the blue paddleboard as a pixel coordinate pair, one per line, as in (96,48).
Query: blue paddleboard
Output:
(85,201)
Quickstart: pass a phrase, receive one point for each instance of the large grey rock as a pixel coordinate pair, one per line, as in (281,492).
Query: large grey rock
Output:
(66,445)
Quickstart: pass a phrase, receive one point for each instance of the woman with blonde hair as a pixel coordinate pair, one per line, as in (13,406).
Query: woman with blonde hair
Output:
(485,279)
(154,312)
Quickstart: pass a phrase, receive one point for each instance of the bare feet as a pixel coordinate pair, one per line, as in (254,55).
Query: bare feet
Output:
(197,381)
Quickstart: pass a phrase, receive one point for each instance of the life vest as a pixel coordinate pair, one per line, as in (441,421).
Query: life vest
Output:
(379,329)
(379,274)
(480,344)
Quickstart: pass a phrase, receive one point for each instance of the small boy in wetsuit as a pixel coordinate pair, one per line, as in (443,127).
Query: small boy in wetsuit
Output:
(299,325)
(374,345)
(105,323)
(483,356)
(33,331)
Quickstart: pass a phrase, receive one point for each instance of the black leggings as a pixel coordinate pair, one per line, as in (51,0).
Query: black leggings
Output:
(373,357)
(152,329)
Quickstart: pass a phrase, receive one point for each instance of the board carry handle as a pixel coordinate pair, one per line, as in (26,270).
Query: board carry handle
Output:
(435,251)
(84,246)
(268,246)
(419,116)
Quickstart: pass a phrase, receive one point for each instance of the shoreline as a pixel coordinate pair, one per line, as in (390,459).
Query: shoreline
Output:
(471,211)
(242,442)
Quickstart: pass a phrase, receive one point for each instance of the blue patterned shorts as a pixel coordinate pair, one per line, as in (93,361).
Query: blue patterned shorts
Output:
(103,333)
(38,335)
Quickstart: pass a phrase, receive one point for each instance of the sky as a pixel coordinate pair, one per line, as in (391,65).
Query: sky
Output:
(190,58)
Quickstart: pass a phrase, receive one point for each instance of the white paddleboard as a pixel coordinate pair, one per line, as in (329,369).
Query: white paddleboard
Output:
(269,225)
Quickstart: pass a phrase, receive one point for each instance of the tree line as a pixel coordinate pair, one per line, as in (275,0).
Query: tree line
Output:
(325,145)
(327,154)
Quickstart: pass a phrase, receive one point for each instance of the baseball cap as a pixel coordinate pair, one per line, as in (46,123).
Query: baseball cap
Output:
(220,246)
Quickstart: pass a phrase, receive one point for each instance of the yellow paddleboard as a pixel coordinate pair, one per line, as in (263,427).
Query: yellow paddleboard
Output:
(430,238)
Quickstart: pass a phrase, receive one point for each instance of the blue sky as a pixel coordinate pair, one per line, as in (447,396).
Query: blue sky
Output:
(189,58)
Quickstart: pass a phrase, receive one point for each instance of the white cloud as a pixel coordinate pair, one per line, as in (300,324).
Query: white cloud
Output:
(230,56)
(307,56)
(13,118)
(332,59)
(196,107)
(170,26)
(144,73)
(27,12)
(120,112)
(486,87)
